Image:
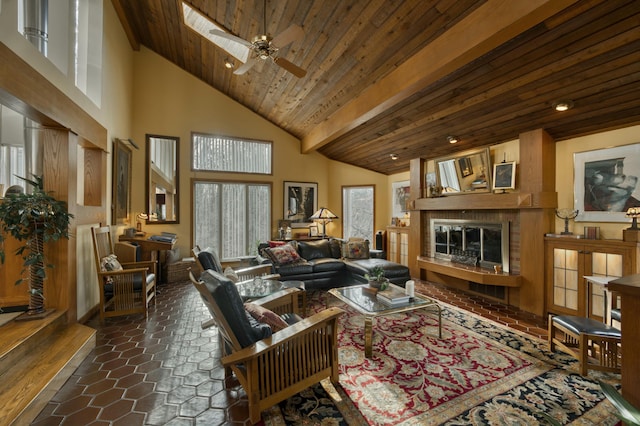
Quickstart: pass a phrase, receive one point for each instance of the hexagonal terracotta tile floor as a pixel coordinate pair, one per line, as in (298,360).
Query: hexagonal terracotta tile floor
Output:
(166,370)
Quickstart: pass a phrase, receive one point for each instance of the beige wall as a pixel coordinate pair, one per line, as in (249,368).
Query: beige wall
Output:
(565,180)
(168,101)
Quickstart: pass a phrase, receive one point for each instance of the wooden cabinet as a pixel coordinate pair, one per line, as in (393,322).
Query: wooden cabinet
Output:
(398,244)
(568,260)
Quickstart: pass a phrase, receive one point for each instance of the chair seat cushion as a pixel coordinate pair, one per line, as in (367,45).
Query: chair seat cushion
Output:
(578,325)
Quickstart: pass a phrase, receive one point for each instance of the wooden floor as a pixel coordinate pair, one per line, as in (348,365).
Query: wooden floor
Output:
(166,369)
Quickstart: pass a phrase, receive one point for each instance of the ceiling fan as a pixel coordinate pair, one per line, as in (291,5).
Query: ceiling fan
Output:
(263,47)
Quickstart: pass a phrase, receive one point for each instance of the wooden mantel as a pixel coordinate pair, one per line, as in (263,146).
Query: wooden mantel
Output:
(486,201)
(533,203)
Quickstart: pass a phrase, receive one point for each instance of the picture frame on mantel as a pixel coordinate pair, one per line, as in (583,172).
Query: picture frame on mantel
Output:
(300,202)
(504,175)
(606,183)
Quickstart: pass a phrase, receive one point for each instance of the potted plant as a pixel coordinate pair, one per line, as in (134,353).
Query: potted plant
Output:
(34,219)
(376,278)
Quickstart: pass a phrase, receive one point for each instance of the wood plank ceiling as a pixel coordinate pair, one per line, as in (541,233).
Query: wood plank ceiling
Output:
(378,83)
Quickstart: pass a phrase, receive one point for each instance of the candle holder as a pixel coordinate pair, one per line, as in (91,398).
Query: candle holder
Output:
(566,215)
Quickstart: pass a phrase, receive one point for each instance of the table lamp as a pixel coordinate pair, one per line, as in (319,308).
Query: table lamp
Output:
(633,213)
(323,215)
(632,234)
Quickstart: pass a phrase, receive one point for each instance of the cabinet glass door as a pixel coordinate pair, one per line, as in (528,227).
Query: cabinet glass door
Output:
(565,278)
(606,265)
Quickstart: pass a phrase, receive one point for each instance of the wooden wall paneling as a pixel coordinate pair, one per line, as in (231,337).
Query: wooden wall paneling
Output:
(537,174)
(417,182)
(94,178)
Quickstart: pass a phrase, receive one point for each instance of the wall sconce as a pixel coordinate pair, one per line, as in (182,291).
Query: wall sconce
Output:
(563,105)
(452,139)
(393,156)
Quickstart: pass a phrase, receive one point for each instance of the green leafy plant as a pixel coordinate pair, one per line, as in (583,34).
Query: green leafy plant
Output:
(376,277)
(34,219)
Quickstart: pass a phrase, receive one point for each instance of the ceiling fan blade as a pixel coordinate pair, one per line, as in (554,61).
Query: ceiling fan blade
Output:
(289,35)
(235,46)
(291,67)
(246,66)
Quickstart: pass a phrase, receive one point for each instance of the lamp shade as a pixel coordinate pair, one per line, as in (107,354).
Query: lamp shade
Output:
(323,213)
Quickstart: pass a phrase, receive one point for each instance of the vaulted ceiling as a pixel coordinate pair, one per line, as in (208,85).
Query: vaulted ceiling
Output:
(398,76)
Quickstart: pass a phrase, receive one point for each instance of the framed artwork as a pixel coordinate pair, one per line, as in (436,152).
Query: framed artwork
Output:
(313,231)
(121,190)
(401,191)
(606,183)
(300,202)
(504,175)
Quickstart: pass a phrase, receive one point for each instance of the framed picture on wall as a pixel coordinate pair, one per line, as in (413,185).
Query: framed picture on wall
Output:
(504,175)
(400,198)
(121,179)
(606,183)
(300,202)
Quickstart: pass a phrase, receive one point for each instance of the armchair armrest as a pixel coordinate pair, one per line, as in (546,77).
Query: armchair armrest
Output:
(148,264)
(291,335)
(281,302)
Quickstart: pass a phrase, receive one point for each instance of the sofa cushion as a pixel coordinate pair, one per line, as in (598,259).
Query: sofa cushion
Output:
(282,255)
(327,264)
(362,266)
(296,268)
(355,249)
(314,249)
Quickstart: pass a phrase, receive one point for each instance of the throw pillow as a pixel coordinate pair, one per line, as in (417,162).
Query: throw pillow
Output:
(282,255)
(355,249)
(231,274)
(265,316)
(277,243)
(110,263)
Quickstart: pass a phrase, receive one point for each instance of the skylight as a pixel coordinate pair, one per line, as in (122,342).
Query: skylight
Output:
(203,26)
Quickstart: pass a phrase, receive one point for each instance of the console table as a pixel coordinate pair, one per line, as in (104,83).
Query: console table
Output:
(150,250)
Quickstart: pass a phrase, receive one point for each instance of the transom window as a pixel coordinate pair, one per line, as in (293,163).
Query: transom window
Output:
(230,154)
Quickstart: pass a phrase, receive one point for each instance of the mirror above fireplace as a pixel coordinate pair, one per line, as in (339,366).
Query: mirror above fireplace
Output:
(467,172)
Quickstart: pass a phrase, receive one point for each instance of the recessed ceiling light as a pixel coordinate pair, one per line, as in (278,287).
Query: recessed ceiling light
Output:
(563,105)
(452,139)
(393,156)
(228,63)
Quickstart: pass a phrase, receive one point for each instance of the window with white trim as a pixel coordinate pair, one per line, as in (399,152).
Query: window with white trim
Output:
(230,154)
(357,211)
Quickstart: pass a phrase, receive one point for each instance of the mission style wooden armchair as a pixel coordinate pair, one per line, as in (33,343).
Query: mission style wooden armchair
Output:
(123,291)
(270,367)
(208,259)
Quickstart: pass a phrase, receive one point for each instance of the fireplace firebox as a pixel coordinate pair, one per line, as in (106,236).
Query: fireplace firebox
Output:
(483,244)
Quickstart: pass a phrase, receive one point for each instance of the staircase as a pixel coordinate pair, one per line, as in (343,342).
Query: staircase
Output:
(36,359)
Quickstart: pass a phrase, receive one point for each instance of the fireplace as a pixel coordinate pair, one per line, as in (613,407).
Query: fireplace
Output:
(483,244)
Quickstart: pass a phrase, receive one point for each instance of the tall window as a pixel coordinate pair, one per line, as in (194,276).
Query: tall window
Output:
(231,217)
(357,211)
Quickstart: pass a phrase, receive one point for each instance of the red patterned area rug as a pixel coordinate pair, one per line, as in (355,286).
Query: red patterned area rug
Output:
(479,373)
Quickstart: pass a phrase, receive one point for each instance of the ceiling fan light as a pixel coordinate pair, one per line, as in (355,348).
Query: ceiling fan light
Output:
(452,139)
(563,105)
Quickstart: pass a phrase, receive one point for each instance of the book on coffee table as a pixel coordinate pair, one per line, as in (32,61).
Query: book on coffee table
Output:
(393,296)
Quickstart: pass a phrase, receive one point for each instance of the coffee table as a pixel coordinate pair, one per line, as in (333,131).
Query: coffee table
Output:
(258,288)
(363,299)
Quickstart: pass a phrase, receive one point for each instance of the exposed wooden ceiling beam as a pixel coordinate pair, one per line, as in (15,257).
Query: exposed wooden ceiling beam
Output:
(488,27)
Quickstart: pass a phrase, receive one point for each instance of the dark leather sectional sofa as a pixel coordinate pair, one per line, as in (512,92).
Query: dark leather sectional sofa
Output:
(322,265)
